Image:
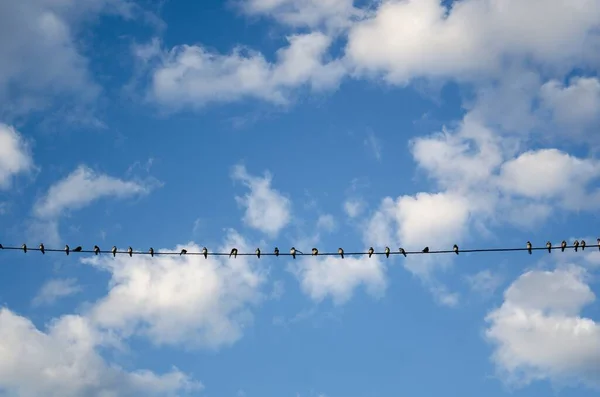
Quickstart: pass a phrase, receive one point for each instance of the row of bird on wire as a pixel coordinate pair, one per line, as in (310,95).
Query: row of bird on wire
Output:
(293,251)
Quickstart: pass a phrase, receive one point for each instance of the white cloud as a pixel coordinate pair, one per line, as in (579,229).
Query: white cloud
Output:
(15,157)
(484,282)
(538,332)
(373,144)
(474,39)
(326,222)
(63,361)
(353,207)
(191,76)
(180,300)
(267,209)
(55,289)
(576,105)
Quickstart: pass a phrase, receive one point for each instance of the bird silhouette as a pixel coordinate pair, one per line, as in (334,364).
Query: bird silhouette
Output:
(563,245)
(598,241)
(387,252)
(402,251)
(79,248)
(582,245)
(576,245)
(96,250)
(233,252)
(67,249)
(276,251)
(371,251)
(114,250)
(529,247)
(183,252)
(130,251)
(425,250)
(24,248)
(315,251)
(205,252)
(341,252)
(257,253)
(151,251)
(455,249)
(42,249)
(549,246)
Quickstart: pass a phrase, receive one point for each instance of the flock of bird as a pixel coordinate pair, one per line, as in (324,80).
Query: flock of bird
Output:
(293,251)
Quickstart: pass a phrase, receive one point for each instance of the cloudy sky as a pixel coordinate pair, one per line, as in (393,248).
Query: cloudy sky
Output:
(306,123)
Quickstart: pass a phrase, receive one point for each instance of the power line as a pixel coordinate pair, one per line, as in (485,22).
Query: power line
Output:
(294,252)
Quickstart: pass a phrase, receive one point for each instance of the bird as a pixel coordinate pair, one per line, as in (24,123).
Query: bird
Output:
(205,252)
(293,252)
(151,251)
(183,252)
(276,251)
(257,253)
(455,249)
(24,248)
(130,251)
(549,246)
(563,245)
(96,250)
(387,252)
(576,245)
(1,247)
(582,245)
(371,251)
(114,250)
(79,248)
(341,252)
(42,249)
(598,244)
(67,249)
(315,251)
(425,250)
(402,251)
(233,252)
(529,247)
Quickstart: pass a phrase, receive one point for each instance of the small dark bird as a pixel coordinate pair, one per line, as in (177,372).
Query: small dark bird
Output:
(67,249)
(42,249)
(598,244)
(151,251)
(341,252)
(402,251)
(576,245)
(387,252)
(1,247)
(205,252)
(293,252)
(114,250)
(233,252)
(183,252)
(563,245)
(315,252)
(79,248)
(24,248)
(371,251)
(529,247)
(425,250)
(130,251)
(257,253)
(549,246)
(455,249)
(582,245)
(276,251)
(96,250)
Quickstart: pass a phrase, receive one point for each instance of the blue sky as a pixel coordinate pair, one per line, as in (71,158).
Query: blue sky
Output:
(310,124)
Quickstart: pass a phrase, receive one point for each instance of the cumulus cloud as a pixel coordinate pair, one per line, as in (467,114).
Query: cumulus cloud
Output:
(55,289)
(15,157)
(539,333)
(267,209)
(192,76)
(576,105)
(63,361)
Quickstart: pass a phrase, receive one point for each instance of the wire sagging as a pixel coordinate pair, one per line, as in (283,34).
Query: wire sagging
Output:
(577,245)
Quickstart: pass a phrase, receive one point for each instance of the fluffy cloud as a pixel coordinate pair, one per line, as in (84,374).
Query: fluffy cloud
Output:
(267,209)
(56,289)
(15,157)
(77,190)
(63,361)
(191,76)
(180,300)
(538,332)
(473,39)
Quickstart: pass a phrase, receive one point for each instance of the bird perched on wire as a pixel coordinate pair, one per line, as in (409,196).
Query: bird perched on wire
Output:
(42,249)
(598,244)
(96,250)
(151,251)
(67,249)
(183,252)
(293,252)
(113,250)
(582,245)
(24,248)
(79,248)
(563,245)
(257,252)
(1,247)
(233,252)
(205,252)
(529,247)
(130,251)
(371,251)
(341,252)
(455,249)
(576,245)
(549,246)
(387,252)
(315,252)
(276,251)
(425,250)
(402,251)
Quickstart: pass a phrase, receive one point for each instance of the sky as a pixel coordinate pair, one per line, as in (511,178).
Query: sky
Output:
(305,123)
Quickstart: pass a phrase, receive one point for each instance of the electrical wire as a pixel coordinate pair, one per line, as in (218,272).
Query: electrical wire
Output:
(293,252)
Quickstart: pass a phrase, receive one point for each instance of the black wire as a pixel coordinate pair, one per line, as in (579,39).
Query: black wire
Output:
(156,253)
